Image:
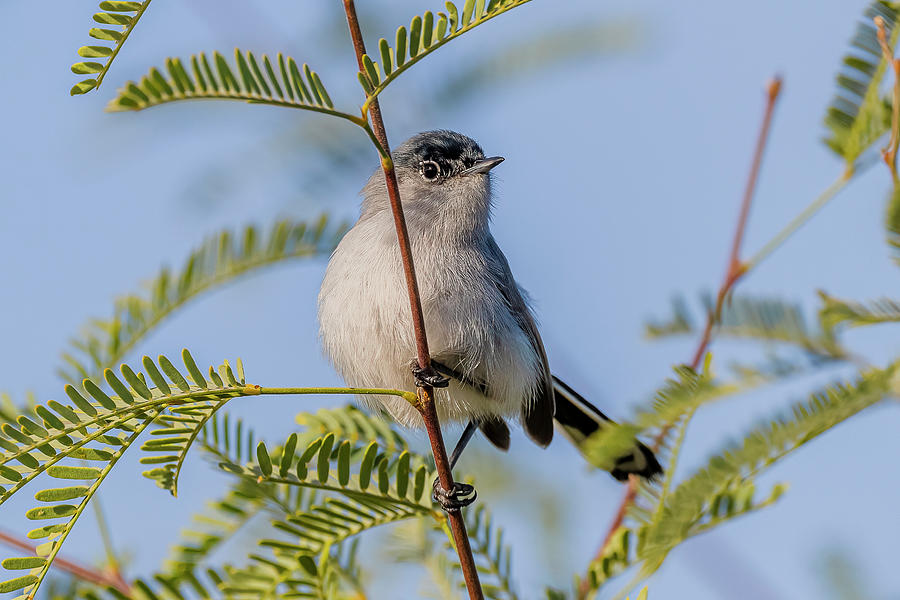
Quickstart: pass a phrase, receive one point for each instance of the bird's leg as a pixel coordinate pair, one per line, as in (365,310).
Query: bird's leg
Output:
(462,494)
(429,377)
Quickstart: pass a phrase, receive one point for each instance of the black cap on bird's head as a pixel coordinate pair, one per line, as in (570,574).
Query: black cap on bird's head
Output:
(441,155)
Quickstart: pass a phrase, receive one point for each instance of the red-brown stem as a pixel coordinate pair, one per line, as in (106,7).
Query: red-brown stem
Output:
(426,394)
(74,569)
(733,273)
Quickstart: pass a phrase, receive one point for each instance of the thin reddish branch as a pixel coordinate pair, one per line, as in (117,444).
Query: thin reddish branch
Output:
(889,152)
(75,570)
(426,394)
(733,273)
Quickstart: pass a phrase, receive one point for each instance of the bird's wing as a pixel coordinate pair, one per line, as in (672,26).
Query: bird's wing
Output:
(537,415)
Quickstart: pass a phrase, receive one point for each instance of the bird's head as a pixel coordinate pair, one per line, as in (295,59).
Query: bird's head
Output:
(441,173)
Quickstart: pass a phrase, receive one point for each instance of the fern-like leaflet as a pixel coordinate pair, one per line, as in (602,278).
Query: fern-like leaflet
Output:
(56,434)
(858,115)
(365,487)
(764,319)
(696,504)
(282,83)
(425,34)
(835,312)
(114,13)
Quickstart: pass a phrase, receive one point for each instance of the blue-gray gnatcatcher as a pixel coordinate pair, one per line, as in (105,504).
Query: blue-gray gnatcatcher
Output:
(479,325)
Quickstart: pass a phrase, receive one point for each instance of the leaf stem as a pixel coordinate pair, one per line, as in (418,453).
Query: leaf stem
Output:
(797,222)
(426,405)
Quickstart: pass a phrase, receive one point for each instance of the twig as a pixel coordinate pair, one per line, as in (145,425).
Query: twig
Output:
(426,394)
(733,273)
(889,152)
(84,573)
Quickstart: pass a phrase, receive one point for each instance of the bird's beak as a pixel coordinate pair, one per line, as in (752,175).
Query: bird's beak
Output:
(483,166)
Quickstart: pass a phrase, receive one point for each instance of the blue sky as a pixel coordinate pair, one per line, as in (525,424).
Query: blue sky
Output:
(620,189)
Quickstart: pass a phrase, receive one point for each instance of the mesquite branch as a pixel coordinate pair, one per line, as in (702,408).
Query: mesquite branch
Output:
(735,270)
(426,394)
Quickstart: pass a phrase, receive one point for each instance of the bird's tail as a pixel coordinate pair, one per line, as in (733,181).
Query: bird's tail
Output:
(578,419)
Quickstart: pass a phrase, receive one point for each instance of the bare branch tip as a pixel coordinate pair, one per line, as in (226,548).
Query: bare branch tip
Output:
(773,87)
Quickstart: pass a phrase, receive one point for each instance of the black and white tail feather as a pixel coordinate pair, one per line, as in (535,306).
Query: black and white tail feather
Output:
(578,419)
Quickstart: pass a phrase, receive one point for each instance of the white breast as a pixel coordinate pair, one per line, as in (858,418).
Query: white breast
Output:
(366,329)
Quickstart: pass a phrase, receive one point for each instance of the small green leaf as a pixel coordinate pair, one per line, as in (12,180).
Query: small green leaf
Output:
(156,376)
(95,51)
(112,19)
(118,387)
(343,463)
(45,531)
(308,564)
(68,472)
(173,374)
(400,46)
(28,562)
(28,460)
(415,34)
(384,480)
(365,467)
(191,366)
(215,378)
(441,26)
(109,35)
(158,460)
(120,6)
(135,382)
(84,453)
(60,494)
(86,68)
(263,459)
(50,420)
(51,512)
(99,395)
(65,412)
(454,16)
(468,9)
(31,427)
(18,583)
(386,62)
(287,455)
(427,29)
(10,474)
(419,485)
(310,451)
(324,460)
(367,86)
(403,474)
(80,401)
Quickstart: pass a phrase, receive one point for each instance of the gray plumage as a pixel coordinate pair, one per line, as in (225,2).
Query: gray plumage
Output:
(479,324)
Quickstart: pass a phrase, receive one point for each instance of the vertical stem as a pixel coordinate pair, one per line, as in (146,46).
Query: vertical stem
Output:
(734,271)
(426,394)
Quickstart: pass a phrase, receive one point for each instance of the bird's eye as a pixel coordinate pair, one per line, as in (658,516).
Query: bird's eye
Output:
(430,170)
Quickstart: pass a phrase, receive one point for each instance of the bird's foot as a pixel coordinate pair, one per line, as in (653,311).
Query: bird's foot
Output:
(429,378)
(460,495)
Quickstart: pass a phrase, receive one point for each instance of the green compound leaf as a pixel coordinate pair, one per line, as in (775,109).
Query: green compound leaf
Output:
(424,35)
(213,78)
(119,20)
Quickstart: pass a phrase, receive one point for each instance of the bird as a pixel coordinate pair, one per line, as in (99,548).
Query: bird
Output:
(489,363)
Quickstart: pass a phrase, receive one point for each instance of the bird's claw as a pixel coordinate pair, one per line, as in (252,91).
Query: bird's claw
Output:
(429,378)
(460,495)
